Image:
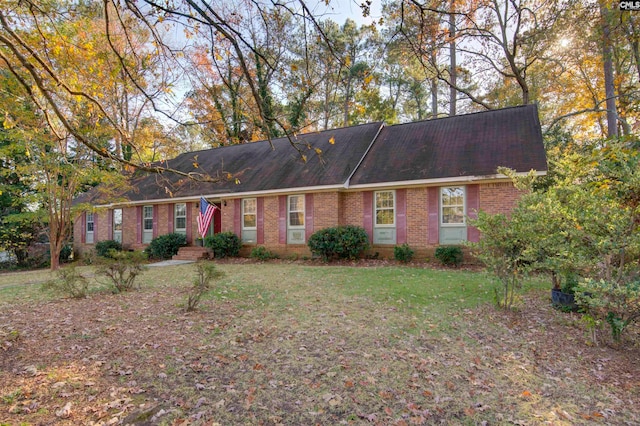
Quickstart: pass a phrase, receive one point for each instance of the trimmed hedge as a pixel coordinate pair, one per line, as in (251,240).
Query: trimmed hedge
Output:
(224,244)
(342,242)
(166,246)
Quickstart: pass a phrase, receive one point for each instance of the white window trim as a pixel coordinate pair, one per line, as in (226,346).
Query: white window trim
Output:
(114,223)
(375,209)
(464,207)
(89,236)
(90,220)
(176,217)
(255,213)
(144,218)
(114,219)
(304,208)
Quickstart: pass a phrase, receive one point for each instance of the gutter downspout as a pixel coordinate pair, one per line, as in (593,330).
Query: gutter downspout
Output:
(355,169)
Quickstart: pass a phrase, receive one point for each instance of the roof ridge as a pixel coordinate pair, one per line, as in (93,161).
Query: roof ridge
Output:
(465,114)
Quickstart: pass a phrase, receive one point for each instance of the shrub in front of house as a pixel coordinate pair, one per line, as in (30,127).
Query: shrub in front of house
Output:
(122,268)
(166,246)
(103,247)
(65,253)
(262,253)
(68,282)
(206,272)
(224,244)
(341,242)
(403,253)
(449,255)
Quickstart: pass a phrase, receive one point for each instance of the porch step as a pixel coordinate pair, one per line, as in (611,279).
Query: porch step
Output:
(193,253)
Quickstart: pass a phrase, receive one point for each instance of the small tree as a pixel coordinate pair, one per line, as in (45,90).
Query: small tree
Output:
(205,274)
(122,269)
(69,282)
(503,251)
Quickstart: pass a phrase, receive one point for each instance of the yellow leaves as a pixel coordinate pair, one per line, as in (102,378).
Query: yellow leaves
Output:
(237,181)
(304,158)
(368,80)
(332,140)
(294,67)
(318,151)
(195,165)
(8,123)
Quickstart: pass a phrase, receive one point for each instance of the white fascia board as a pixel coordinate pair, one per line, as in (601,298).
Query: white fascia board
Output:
(440,181)
(229,195)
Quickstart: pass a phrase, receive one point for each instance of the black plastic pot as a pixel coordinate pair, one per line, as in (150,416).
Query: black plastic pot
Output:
(563,300)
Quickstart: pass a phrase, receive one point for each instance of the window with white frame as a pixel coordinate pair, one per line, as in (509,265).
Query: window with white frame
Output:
(89,228)
(296,211)
(249,220)
(147,224)
(384,212)
(180,218)
(452,205)
(117,225)
(385,208)
(249,213)
(295,219)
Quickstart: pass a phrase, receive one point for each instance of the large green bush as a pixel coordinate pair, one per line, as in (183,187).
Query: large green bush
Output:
(224,244)
(166,246)
(103,247)
(342,242)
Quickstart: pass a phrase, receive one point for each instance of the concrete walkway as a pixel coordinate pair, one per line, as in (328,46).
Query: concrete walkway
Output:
(170,262)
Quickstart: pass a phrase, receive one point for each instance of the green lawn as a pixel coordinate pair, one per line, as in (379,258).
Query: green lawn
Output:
(289,343)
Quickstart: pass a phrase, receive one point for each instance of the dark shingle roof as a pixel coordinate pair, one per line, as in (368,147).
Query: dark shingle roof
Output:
(464,145)
(259,167)
(460,146)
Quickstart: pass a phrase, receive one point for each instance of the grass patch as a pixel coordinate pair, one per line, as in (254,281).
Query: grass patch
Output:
(278,343)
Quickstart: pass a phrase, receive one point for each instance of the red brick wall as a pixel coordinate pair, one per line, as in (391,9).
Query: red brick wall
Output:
(351,208)
(498,197)
(417,218)
(330,209)
(326,206)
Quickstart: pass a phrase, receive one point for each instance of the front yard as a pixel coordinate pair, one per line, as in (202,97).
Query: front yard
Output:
(288,343)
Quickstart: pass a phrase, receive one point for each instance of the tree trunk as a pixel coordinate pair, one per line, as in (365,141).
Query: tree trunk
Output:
(609,89)
(453,73)
(434,98)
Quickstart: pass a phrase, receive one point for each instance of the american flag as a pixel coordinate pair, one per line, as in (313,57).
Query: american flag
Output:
(205,215)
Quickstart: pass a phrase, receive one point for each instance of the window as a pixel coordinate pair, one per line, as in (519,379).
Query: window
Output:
(296,211)
(147,224)
(249,213)
(117,225)
(250,220)
(295,220)
(385,208)
(89,230)
(180,217)
(452,205)
(384,211)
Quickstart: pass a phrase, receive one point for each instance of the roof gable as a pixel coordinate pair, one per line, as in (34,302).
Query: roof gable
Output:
(463,145)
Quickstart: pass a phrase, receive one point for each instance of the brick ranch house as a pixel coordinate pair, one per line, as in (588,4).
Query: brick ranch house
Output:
(414,183)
